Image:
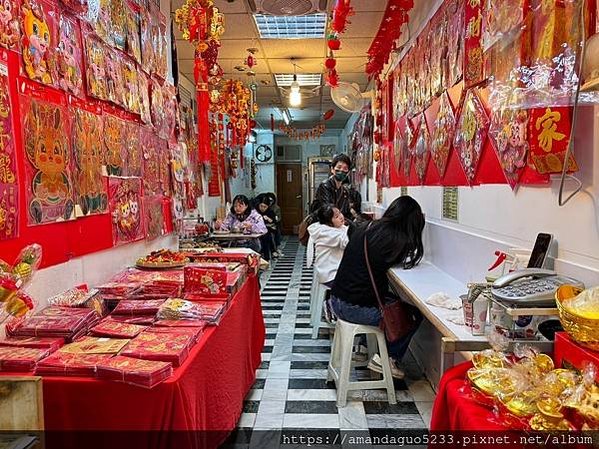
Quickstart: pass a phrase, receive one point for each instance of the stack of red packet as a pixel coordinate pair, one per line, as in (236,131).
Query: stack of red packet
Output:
(251,261)
(211,310)
(141,320)
(205,282)
(138,307)
(116,329)
(180,323)
(139,277)
(20,359)
(66,322)
(195,332)
(152,345)
(49,343)
(144,373)
(157,290)
(67,364)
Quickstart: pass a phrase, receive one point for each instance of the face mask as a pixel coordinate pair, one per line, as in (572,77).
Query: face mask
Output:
(340,175)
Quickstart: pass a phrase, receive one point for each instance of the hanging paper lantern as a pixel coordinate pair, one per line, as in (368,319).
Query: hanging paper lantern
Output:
(330,63)
(333,78)
(334,44)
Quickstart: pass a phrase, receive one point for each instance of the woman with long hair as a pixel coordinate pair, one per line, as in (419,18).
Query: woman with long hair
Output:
(244,219)
(395,239)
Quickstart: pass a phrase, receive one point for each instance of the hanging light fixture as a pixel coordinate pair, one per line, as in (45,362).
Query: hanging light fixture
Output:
(295,95)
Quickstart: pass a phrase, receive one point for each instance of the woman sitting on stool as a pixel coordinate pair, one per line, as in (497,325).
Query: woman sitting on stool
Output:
(243,219)
(394,239)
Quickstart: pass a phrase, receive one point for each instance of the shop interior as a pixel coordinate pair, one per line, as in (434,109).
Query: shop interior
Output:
(136,303)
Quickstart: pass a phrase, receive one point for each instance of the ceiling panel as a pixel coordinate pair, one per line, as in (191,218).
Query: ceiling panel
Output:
(301,48)
(226,7)
(370,5)
(239,26)
(308,65)
(353,47)
(350,65)
(364,24)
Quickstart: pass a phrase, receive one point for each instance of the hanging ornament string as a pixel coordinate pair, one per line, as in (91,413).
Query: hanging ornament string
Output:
(337,26)
(389,31)
(202,24)
(303,134)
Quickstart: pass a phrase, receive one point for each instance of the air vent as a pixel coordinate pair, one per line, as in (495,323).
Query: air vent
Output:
(310,26)
(450,203)
(289,153)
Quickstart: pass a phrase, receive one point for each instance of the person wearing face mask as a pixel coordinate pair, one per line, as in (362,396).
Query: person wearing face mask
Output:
(337,191)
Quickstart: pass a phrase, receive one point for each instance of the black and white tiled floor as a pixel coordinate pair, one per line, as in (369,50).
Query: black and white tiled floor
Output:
(291,392)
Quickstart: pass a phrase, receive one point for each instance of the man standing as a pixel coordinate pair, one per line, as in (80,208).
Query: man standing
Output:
(337,190)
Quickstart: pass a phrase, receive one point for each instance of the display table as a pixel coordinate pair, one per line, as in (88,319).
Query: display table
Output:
(205,394)
(440,337)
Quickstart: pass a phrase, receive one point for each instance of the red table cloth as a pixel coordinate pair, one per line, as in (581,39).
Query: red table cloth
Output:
(198,406)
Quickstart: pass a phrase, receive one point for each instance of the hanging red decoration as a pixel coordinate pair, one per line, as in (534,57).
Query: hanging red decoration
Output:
(328,115)
(272,122)
(341,12)
(334,43)
(295,134)
(330,63)
(389,31)
(333,78)
(253,123)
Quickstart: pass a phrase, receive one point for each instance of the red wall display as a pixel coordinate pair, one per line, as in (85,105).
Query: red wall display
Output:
(52,96)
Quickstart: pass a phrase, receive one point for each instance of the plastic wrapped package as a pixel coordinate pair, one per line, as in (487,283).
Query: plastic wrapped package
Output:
(158,107)
(90,188)
(115,83)
(138,307)
(109,327)
(39,27)
(443,132)
(79,7)
(10,26)
(422,149)
(66,364)
(212,309)
(125,208)
(49,192)
(95,345)
(142,373)
(67,69)
(148,345)
(115,148)
(195,332)
(147,45)
(133,167)
(144,94)
(65,322)
(95,66)
(179,309)
(118,22)
(159,31)
(154,219)
(131,86)
(20,359)
(133,32)
(50,344)
(102,23)
(471,133)
(151,162)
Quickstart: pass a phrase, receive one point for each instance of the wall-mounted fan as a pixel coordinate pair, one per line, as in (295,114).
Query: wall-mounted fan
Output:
(348,97)
(263,153)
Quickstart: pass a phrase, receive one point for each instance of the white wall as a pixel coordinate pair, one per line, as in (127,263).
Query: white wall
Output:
(493,217)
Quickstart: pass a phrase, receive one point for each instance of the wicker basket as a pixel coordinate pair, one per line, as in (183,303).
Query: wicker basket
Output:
(584,331)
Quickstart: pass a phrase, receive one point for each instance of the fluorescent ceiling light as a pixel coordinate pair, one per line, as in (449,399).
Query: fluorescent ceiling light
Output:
(286,117)
(304,79)
(310,26)
(295,98)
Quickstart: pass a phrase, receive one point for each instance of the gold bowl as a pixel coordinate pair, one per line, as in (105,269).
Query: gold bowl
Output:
(582,329)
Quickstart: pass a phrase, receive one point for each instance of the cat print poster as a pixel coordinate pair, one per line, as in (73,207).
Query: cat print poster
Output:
(125,208)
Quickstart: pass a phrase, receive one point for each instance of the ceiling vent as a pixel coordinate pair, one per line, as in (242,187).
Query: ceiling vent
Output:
(287,7)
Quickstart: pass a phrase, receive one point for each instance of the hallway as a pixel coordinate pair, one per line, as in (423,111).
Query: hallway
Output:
(291,392)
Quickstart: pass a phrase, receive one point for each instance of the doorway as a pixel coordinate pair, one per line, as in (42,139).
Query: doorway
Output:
(290,188)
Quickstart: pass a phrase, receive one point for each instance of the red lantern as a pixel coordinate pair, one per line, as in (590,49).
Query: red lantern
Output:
(252,123)
(330,63)
(334,44)
(328,115)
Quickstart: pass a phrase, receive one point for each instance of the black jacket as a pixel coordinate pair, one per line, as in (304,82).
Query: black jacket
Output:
(344,198)
(352,282)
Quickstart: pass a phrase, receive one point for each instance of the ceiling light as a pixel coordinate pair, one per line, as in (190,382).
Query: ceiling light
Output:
(295,98)
(286,117)
(304,79)
(294,86)
(309,26)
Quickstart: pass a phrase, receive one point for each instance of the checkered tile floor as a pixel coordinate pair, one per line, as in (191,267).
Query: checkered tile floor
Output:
(291,391)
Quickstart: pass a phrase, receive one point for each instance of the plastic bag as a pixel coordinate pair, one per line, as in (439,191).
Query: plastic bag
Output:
(95,67)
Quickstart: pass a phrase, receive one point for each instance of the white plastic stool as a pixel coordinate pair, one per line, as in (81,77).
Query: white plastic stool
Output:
(317,294)
(341,361)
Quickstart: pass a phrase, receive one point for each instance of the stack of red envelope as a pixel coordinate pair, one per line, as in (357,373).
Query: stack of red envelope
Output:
(67,322)
(210,310)
(20,359)
(157,290)
(49,343)
(142,320)
(144,373)
(150,345)
(138,307)
(139,277)
(67,364)
(109,327)
(180,323)
(194,332)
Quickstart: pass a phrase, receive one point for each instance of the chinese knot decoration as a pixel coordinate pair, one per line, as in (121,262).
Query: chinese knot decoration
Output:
(202,24)
(234,100)
(298,134)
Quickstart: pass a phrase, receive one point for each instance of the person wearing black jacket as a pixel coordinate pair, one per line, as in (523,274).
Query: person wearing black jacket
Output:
(270,219)
(394,239)
(336,191)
